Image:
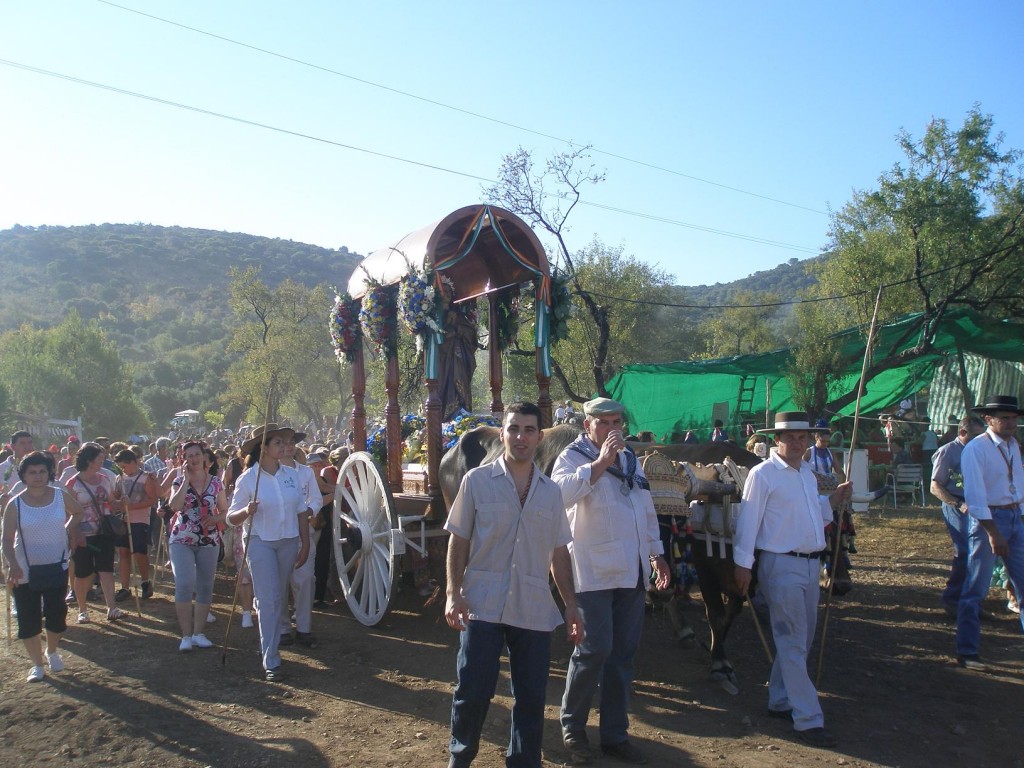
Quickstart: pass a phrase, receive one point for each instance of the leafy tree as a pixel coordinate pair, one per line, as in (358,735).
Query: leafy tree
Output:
(284,346)
(744,329)
(943,230)
(69,370)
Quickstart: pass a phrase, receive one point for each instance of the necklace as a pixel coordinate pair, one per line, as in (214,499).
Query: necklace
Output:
(526,490)
(1005,456)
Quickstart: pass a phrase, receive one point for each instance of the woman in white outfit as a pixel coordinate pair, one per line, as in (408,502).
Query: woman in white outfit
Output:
(276,526)
(40,528)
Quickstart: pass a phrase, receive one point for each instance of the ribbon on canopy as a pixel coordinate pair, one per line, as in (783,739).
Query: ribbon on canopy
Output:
(542,283)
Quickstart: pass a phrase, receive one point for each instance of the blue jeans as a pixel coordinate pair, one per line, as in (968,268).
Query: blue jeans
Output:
(957,524)
(614,620)
(529,655)
(980,561)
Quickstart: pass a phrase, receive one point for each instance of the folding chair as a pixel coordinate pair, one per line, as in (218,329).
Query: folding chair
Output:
(906,479)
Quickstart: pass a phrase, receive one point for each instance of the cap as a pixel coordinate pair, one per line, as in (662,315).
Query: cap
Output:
(602,406)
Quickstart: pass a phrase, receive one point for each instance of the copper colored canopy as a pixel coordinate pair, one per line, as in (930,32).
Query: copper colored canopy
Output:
(487,267)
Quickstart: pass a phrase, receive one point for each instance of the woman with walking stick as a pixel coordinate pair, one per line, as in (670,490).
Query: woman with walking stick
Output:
(268,496)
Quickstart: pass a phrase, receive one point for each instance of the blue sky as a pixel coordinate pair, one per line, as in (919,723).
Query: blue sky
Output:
(800,102)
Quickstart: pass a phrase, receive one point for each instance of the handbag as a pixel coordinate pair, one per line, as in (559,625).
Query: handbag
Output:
(47,577)
(111,526)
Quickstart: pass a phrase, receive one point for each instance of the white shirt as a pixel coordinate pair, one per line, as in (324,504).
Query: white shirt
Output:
(983,465)
(781,511)
(280,502)
(309,491)
(613,536)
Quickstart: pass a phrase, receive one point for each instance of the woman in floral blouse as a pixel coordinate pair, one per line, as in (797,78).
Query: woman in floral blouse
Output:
(200,506)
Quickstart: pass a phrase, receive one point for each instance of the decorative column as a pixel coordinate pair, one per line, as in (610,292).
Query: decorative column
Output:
(433,409)
(543,392)
(495,374)
(358,395)
(393,424)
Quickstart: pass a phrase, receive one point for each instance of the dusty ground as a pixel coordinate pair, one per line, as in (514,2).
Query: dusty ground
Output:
(380,696)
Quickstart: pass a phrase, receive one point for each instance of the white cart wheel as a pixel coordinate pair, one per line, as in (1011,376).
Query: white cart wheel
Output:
(367,539)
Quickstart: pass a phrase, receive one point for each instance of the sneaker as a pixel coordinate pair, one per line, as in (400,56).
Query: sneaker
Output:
(114,614)
(625,752)
(274,675)
(121,595)
(1013,606)
(35,675)
(147,590)
(55,661)
(186,644)
(200,641)
(817,737)
(308,639)
(973,663)
(70,597)
(83,618)
(210,618)
(246,619)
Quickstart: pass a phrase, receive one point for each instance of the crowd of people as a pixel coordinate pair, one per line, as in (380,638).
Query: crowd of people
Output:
(591,526)
(76,517)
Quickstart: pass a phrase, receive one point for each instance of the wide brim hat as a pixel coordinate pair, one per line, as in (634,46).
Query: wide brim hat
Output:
(271,430)
(791,421)
(998,403)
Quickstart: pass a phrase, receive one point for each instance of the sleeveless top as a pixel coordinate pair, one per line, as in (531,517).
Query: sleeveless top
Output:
(821,460)
(187,525)
(44,533)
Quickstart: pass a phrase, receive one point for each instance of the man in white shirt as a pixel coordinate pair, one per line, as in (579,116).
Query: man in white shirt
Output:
(10,485)
(615,546)
(993,489)
(782,521)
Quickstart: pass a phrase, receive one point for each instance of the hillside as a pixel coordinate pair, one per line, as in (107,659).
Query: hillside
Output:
(160,294)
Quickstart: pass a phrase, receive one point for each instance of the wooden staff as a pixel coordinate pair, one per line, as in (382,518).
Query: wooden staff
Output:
(7,604)
(760,634)
(245,545)
(845,505)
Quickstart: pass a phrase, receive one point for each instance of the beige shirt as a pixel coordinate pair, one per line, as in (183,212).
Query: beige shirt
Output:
(510,548)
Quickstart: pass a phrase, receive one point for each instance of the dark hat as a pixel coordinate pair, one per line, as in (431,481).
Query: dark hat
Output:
(792,421)
(998,403)
(272,431)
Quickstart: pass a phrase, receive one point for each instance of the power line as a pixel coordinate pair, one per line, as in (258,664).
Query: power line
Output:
(461,110)
(385,155)
(791,302)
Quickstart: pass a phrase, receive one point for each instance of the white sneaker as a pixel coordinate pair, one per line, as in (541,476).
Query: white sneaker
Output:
(1011,605)
(246,619)
(186,644)
(55,661)
(210,618)
(200,641)
(35,675)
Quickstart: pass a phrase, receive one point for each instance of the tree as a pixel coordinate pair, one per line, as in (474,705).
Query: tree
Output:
(69,370)
(523,191)
(744,329)
(942,231)
(285,350)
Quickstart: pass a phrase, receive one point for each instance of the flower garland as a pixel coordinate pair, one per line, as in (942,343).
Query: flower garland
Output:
(420,304)
(561,308)
(412,425)
(457,427)
(346,332)
(378,317)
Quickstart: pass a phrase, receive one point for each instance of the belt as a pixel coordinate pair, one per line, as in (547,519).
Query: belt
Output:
(807,555)
(1007,507)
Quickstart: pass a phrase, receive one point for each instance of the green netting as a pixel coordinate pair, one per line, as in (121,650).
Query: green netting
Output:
(673,397)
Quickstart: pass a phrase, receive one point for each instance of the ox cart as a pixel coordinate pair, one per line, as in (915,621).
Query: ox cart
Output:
(427,283)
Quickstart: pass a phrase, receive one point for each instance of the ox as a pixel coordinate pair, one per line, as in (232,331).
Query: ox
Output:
(715,570)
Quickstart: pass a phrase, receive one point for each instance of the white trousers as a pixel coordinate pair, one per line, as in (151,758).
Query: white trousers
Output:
(790,587)
(303,581)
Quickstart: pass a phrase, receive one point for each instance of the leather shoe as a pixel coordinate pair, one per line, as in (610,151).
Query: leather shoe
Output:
(781,714)
(818,737)
(307,639)
(286,639)
(625,752)
(579,748)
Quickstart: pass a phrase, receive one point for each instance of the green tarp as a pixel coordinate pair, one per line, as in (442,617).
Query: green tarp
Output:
(674,397)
